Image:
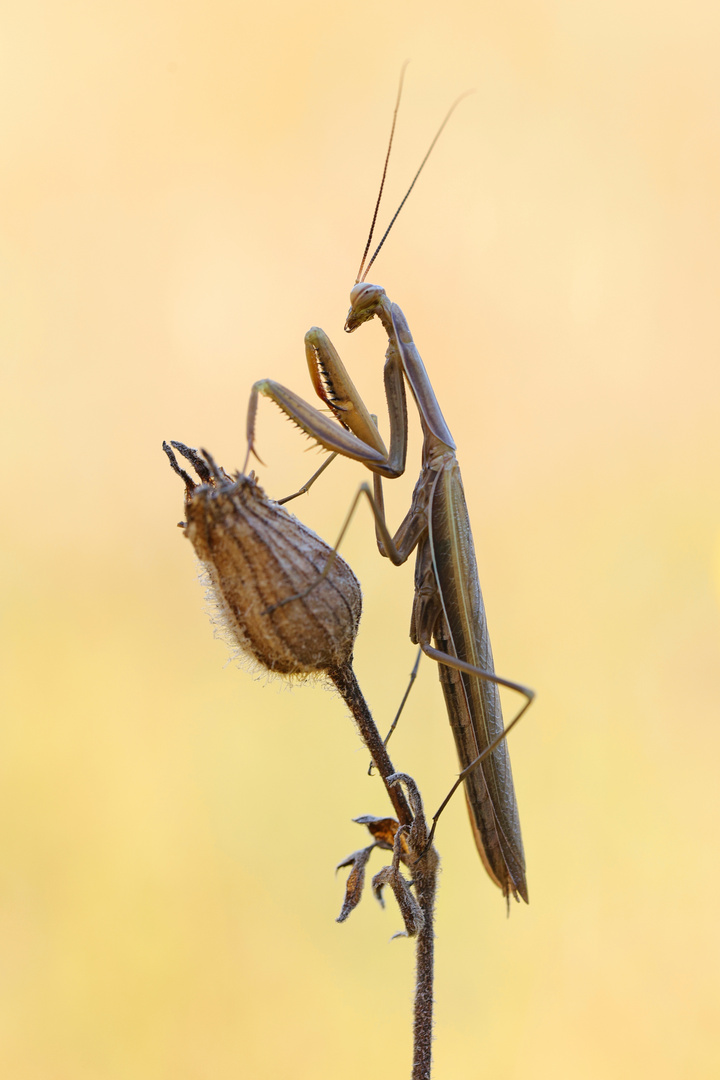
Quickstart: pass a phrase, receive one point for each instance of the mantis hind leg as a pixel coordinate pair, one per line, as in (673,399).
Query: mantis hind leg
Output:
(447,660)
(491,800)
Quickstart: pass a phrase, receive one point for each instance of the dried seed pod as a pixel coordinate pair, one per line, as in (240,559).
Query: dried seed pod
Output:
(266,573)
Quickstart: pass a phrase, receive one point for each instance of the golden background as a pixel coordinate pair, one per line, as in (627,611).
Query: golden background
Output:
(185,190)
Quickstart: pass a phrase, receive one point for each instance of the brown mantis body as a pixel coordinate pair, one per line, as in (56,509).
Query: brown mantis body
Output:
(448,616)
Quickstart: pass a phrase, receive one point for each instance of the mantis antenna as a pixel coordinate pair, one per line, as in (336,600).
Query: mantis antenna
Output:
(384,174)
(363,271)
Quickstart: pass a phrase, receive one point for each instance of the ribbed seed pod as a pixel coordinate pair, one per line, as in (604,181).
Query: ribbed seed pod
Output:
(265,569)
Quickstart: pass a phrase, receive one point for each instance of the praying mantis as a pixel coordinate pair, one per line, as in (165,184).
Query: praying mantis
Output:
(448,615)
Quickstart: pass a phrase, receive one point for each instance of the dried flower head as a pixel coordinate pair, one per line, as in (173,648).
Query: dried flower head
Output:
(280,598)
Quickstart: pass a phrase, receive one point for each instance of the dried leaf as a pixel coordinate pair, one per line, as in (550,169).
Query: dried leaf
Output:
(418,843)
(356,880)
(409,908)
(382,829)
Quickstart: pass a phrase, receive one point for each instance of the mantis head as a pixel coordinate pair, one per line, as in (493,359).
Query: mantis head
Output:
(365,301)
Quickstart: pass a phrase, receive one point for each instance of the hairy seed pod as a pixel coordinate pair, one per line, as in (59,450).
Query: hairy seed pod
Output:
(279,600)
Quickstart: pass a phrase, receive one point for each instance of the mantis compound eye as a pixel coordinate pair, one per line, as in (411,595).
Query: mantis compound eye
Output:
(364,294)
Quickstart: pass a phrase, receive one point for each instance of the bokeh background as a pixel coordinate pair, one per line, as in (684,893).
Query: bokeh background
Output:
(185,190)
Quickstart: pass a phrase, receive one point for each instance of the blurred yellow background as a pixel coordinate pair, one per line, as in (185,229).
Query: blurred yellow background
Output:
(185,190)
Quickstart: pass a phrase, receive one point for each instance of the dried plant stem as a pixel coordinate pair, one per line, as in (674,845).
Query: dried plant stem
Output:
(424,866)
(343,678)
(425,884)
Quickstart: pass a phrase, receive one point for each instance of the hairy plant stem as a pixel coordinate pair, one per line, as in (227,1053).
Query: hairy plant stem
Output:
(424,866)
(425,885)
(344,680)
